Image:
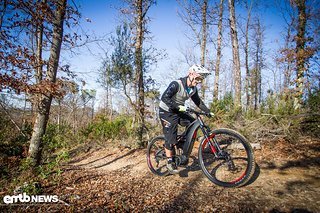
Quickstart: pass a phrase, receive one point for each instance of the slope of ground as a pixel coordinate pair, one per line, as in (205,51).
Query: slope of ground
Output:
(118,180)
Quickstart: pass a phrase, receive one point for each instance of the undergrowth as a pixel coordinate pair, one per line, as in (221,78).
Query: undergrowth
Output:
(276,119)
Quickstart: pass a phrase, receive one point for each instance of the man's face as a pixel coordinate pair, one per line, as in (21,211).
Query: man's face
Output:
(195,79)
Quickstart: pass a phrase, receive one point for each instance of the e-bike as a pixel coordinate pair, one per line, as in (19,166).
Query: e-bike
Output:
(225,156)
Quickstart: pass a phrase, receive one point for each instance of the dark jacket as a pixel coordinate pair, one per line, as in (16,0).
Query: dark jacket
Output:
(172,90)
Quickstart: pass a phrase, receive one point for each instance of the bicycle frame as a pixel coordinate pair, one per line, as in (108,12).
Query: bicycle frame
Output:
(191,135)
(216,153)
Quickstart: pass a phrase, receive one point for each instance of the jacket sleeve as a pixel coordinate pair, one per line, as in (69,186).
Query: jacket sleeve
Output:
(196,99)
(172,89)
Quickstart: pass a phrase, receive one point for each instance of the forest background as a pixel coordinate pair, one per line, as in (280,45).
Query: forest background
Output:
(74,74)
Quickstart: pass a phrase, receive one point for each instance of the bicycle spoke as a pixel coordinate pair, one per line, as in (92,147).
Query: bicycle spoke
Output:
(156,156)
(233,165)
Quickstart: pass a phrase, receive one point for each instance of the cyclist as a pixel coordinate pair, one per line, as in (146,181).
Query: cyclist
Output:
(173,112)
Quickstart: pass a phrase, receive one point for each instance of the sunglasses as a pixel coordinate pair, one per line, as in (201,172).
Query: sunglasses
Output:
(198,79)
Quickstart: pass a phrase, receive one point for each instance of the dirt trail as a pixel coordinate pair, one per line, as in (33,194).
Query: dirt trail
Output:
(115,159)
(118,180)
(279,185)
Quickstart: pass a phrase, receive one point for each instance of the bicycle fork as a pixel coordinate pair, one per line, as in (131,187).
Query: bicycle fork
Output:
(217,151)
(214,146)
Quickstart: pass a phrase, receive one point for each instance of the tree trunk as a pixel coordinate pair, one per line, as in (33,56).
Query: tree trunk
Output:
(300,51)
(59,114)
(288,60)
(260,57)
(139,67)
(39,36)
(110,103)
(218,60)
(204,42)
(258,64)
(43,108)
(246,51)
(235,54)
(254,87)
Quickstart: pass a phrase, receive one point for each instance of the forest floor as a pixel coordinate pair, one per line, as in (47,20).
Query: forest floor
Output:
(287,179)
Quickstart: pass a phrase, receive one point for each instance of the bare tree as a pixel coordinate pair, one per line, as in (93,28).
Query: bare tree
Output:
(235,54)
(24,67)
(138,10)
(301,55)
(204,31)
(218,59)
(204,41)
(44,104)
(288,69)
(139,19)
(301,44)
(286,56)
(105,81)
(198,17)
(246,51)
(39,47)
(257,38)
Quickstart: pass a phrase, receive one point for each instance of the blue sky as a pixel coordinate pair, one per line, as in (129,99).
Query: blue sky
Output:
(166,28)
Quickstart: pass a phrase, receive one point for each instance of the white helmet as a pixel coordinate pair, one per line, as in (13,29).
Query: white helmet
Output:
(199,70)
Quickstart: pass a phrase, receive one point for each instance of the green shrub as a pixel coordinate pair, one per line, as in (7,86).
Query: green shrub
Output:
(313,102)
(52,164)
(224,105)
(55,137)
(281,104)
(225,109)
(311,123)
(104,128)
(286,104)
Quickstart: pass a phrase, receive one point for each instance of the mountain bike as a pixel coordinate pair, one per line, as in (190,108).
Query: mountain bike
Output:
(225,156)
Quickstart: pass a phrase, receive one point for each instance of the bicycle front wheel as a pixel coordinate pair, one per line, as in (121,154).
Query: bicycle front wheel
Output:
(234,165)
(156,156)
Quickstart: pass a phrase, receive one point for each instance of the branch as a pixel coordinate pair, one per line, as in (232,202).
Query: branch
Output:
(129,98)
(15,124)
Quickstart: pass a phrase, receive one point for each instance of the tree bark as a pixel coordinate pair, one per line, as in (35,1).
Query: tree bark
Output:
(218,60)
(254,83)
(139,67)
(300,50)
(204,42)
(246,50)
(43,107)
(235,54)
(258,64)
(39,36)
(288,59)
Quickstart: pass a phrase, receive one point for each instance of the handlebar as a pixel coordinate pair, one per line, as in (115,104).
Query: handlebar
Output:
(197,113)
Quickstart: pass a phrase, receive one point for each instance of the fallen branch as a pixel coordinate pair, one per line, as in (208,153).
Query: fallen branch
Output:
(65,203)
(11,119)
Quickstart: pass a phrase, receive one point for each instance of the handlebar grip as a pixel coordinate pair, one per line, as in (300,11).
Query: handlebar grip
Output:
(190,110)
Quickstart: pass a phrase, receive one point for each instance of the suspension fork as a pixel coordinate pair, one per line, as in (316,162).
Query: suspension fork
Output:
(214,146)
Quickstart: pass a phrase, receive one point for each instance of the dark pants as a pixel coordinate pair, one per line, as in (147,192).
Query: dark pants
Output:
(170,121)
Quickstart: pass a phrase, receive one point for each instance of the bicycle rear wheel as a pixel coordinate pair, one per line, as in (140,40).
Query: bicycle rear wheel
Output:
(156,156)
(234,165)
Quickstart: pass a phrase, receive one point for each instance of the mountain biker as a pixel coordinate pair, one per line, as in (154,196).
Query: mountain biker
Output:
(173,112)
